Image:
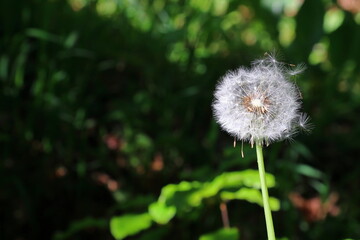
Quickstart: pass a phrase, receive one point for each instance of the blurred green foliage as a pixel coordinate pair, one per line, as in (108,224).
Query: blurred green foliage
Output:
(225,234)
(181,199)
(106,103)
(126,225)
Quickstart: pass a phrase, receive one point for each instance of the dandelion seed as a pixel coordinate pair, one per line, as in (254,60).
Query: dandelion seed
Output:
(304,122)
(260,104)
(297,69)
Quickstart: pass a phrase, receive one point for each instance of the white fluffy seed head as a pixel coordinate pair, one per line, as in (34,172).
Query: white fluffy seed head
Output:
(260,104)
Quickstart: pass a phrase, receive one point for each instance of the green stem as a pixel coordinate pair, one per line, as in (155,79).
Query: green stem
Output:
(265,195)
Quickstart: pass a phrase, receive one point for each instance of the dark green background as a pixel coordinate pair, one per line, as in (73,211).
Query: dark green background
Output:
(102,103)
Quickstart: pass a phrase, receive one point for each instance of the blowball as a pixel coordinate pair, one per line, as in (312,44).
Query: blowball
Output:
(260,104)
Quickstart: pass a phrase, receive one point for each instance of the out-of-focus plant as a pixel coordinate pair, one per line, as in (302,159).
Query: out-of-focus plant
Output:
(188,198)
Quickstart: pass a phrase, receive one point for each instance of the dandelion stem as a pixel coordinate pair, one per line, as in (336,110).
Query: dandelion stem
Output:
(264,191)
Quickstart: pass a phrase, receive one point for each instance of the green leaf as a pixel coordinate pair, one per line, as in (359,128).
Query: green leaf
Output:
(71,40)
(333,19)
(250,195)
(220,7)
(80,225)
(185,195)
(309,171)
(161,213)
(143,141)
(222,234)
(202,5)
(130,224)
(180,195)
(248,178)
(43,35)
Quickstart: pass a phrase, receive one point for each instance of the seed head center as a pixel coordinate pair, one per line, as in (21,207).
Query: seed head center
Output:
(256,104)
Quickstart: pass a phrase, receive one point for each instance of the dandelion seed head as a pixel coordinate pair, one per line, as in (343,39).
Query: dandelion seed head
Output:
(259,104)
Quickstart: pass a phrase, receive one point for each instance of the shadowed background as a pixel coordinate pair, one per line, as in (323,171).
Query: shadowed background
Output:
(103,103)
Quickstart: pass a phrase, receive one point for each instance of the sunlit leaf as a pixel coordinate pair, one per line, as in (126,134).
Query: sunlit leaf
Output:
(202,5)
(222,234)
(220,7)
(250,195)
(130,224)
(286,28)
(333,19)
(319,53)
(106,7)
(191,194)
(248,178)
(161,213)
(231,19)
(183,195)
